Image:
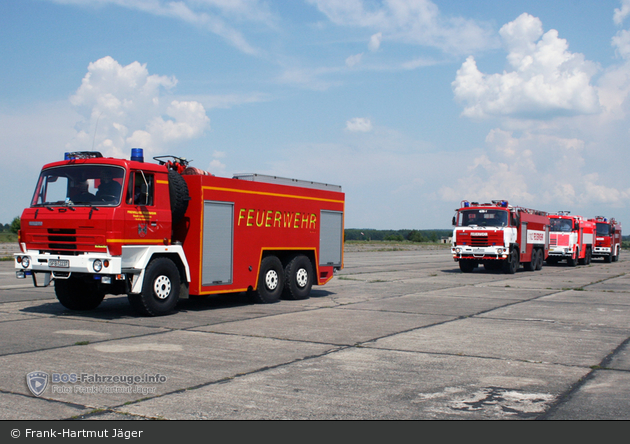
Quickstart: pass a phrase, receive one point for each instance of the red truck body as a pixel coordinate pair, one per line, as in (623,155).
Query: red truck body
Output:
(571,239)
(169,231)
(607,238)
(499,236)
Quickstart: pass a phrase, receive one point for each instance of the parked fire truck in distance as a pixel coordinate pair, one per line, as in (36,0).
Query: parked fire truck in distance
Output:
(160,232)
(570,238)
(607,238)
(499,236)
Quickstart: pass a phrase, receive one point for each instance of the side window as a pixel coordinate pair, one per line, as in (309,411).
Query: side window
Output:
(140,190)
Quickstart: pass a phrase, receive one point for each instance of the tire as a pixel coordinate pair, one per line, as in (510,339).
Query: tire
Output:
(616,256)
(298,278)
(540,260)
(270,281)
(511,264)
(609,258)
(572,262)
(531,266)
(178,192)
(467,266)
(76,294)
(160,289)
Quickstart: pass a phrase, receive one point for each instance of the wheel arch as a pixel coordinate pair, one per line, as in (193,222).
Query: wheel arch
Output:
(136,259)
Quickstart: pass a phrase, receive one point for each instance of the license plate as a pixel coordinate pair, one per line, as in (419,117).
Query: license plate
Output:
(478,250)
(59,263)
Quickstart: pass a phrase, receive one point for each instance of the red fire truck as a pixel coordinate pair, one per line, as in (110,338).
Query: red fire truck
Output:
(160,232)
(607,238)
(570,238)
(499,236)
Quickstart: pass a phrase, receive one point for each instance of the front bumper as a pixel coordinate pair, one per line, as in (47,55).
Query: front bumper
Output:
(477,253)
(562,252)
(44,267)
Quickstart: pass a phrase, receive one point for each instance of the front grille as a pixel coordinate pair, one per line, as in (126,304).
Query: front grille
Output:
(64,241)
(493,239)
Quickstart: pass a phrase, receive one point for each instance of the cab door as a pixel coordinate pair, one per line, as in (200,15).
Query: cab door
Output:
(147,221)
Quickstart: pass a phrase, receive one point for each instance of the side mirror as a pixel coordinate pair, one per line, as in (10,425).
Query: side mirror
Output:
(453,222)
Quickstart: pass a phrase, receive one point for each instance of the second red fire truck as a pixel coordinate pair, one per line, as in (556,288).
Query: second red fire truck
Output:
(499,236)
(570,238)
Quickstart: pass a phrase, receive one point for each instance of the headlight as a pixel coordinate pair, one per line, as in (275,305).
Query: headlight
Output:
(458,250)
(97,265)
(26,261)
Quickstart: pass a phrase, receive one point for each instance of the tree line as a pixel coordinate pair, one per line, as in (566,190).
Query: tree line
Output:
(429,236)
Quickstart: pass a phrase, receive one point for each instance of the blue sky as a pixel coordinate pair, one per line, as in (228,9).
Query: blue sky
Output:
(410,105)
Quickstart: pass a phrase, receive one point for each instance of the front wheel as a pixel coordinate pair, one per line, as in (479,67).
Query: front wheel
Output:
(77,294)
(572,261)
(511,264)
(160,289)
(467,266)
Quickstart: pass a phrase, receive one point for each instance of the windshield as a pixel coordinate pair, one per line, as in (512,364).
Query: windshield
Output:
(93,185)
(483,218)
(603,230)
(560,225)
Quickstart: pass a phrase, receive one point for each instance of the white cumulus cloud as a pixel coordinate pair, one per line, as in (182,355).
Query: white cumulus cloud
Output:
(375,42)
(621,13)
(545,79)
(359,124)
(409,21)
(125,107)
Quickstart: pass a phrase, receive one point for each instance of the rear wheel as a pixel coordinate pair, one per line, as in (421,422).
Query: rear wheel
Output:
(270,281)
(160,289)
(540,259)
(531,265)
(298,278)
(77,294)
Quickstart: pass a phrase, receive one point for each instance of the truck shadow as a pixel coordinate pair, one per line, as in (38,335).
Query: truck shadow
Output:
(117,307)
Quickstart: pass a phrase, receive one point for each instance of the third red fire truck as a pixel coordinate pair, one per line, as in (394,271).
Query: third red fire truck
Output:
(607,238)
(499,236)
(159,232)
(570,238)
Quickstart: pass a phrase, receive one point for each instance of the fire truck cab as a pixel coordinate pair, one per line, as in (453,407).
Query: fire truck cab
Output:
(499,236)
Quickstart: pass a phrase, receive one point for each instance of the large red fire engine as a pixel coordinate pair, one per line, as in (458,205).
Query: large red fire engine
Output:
(607,238)
(160,232)
(499,236)
(570,238)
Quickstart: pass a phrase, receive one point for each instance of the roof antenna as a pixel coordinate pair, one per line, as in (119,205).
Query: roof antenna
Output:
(95,128)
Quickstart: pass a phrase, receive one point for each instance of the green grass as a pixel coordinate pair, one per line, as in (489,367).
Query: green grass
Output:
(6,237)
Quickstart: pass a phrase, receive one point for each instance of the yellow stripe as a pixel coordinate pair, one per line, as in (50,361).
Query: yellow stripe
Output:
(162,181)
(272,194)
(232,290)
